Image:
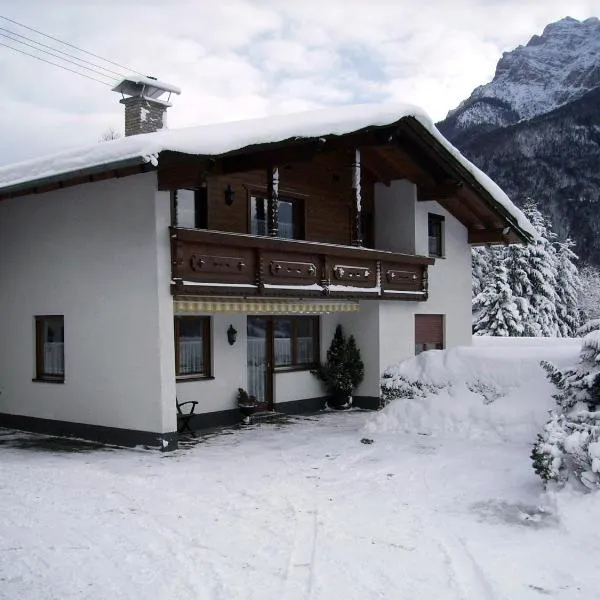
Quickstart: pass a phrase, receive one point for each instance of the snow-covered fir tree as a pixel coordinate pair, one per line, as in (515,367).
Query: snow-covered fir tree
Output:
(498,314)
(568,284)
(568,449)
(542,278)
(589,293)
(481,257)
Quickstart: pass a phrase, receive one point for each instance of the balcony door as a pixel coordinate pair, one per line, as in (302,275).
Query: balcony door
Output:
(260,361)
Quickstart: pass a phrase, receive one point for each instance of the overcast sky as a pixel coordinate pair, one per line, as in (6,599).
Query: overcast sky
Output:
(238,59)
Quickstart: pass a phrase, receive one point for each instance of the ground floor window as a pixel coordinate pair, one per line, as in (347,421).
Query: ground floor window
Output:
(192,347)
(429,333)
(50,348)
(296,341)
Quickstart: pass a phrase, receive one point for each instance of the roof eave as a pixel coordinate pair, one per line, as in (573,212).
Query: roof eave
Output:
(32,184)
(467,176)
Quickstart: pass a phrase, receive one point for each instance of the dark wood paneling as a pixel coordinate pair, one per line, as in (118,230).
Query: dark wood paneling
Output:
(274,267)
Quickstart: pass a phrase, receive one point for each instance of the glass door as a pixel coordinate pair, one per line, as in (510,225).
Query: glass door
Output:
(260,361)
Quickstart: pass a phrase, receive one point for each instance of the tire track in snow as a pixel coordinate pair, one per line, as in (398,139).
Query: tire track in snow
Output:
(301,566)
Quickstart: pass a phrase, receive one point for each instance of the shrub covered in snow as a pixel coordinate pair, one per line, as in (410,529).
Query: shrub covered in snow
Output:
(344,370)
(396,386)
(568,449)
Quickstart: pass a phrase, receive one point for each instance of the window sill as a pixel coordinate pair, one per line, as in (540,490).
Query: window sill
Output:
(184,378)
(437,256)
(294,368)
(47,380)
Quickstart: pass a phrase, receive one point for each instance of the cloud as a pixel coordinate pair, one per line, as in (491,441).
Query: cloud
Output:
(250,58)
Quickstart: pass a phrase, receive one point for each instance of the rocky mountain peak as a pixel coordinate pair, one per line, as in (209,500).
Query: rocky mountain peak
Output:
(556,67)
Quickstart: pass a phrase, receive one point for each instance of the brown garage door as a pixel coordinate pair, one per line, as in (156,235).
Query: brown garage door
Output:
(429,332)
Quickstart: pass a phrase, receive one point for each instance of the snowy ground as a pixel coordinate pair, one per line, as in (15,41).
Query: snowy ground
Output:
(297,511)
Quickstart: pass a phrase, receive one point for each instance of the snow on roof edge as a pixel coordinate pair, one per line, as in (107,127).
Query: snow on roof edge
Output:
(216,139)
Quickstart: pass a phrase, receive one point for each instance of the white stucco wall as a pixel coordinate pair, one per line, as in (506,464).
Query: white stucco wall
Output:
(364,326)
(450,277)
(395,216)
(401,225)
(97,254)
(296,385)
(229,367)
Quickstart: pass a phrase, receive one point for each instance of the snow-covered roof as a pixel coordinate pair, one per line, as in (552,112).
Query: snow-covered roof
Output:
(220,138)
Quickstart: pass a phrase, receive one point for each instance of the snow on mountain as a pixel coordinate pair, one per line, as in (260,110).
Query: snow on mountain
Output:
(554,68)
(534,128)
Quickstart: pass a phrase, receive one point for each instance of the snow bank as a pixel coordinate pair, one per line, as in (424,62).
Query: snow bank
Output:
(495,390)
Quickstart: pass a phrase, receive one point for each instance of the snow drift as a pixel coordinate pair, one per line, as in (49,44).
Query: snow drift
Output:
(495,390)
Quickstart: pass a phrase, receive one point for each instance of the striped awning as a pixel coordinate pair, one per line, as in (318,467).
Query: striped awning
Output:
(277,306)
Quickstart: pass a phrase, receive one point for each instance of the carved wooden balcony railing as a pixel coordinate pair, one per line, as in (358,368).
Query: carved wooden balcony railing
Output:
(228,264)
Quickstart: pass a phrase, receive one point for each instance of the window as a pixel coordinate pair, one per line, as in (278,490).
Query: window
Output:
(191,208)
(290,217)
(296,341)
(429,333)
(192,347)
(258,216)
(50,348)
(436,235)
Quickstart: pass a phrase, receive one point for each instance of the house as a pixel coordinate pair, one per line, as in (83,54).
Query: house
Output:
(184,264)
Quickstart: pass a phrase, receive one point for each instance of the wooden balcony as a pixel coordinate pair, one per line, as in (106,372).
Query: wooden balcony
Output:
(214,263)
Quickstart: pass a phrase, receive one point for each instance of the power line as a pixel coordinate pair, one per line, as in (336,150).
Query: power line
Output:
(71,45)
(56,65)
(83,60)
(56,56)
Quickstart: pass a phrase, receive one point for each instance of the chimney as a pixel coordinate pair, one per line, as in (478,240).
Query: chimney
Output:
(144,108)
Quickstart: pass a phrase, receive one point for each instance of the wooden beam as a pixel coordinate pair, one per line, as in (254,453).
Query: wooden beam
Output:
(356,201)
(273,202)
(400,163)
(378,168)
(490,236)
(462,212)
(443,191)
(422,156)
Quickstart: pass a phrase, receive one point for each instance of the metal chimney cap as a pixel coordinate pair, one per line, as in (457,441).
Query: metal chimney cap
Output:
(150,87)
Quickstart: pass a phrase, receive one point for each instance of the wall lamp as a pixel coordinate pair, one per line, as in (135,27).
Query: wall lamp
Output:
(231,335)
(229,195)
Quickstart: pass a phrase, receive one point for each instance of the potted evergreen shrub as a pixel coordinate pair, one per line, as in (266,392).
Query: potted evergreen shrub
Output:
(246,403)
(343,371)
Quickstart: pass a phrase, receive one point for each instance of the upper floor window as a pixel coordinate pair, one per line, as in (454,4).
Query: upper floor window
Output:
(436,235)
(50,348)
(191,208)
(290,218)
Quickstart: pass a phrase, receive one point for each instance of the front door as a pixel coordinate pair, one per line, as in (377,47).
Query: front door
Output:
(260,361)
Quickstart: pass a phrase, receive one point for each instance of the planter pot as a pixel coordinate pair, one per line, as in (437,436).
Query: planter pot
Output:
(340,401)
(247,411)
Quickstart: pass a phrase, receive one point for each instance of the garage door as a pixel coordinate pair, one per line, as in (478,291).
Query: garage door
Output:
(429,332)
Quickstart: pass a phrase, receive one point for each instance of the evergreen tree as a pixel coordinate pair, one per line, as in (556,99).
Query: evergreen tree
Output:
(539,269)
(481,257)
(543,281)
(567,288)
(589,293)
(569,446)
(495,306)
(354,362)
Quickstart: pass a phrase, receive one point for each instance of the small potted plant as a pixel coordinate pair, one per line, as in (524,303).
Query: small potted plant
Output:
(246,403)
